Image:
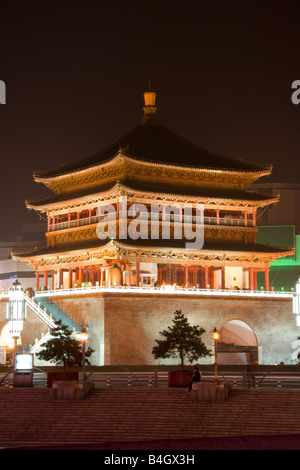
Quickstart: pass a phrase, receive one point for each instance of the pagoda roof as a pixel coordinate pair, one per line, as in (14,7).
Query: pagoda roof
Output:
(155,191)
(151,141)
(210,247)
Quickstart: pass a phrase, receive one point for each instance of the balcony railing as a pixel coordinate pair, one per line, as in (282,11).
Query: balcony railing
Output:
(166,289)
(156,218)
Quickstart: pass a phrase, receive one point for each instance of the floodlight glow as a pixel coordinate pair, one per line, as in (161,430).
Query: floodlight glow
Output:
(83,336)
(15,310)
(7,339)
(24,362)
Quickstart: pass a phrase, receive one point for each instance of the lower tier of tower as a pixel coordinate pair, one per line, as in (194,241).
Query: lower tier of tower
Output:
(123,326)
(152,274)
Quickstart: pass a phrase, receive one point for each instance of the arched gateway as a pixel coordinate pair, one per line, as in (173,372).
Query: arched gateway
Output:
(238,344)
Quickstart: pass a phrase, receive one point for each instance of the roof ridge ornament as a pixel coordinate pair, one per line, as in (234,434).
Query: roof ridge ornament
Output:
(149,108)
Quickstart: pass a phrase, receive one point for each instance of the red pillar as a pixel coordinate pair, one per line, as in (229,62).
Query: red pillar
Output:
(61,278)
(255,280)
(251,278)
(37,279)
(92,274)
(222,277)
(195,275)
(81,276)
(205,276)
(53,279)
(137,272)
(186,270)
(117,219)
(267,282)
(70,278)
(46,279)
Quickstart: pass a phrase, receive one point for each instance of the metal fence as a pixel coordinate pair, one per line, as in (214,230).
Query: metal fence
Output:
(239,379)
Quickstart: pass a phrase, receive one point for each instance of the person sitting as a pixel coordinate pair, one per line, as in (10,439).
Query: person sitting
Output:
(196,377)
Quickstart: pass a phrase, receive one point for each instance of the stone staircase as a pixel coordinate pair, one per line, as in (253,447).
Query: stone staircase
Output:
(56,312)
(30,418)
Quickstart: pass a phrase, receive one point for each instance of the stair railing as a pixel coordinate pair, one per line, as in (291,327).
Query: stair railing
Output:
(39,311)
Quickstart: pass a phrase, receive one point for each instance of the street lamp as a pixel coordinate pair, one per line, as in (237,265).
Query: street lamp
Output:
(84,338)
(15,312)
(216,337)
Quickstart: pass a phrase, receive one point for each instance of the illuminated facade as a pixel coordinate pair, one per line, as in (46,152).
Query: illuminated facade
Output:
(121,258)
(118,188)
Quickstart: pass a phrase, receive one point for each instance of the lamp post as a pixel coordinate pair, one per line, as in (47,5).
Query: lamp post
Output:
(16,313)
(84,338)
(216,337)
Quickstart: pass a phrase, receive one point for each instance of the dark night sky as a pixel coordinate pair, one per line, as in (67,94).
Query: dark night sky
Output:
(75,74)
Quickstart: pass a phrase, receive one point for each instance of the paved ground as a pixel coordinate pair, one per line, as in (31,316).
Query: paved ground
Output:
(291,442)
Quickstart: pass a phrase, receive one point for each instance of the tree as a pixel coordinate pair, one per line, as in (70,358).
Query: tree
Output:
(181,340)
(63,349)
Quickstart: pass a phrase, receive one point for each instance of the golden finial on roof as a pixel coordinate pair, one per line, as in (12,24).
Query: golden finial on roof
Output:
(149,108)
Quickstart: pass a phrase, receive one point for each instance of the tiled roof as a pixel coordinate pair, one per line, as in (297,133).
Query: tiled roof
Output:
(212,246)
(153,142)
(158,189)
